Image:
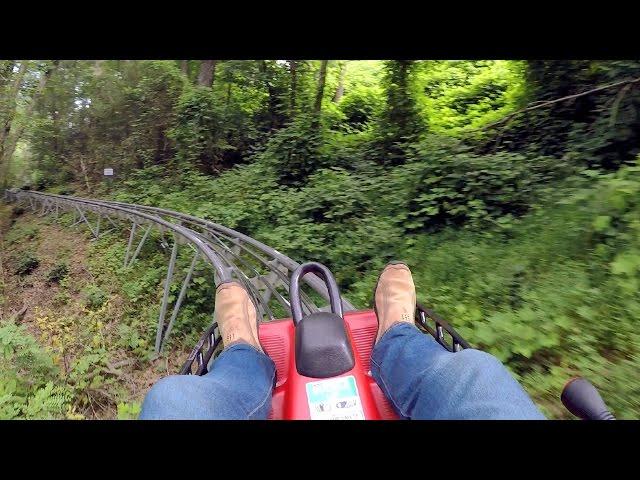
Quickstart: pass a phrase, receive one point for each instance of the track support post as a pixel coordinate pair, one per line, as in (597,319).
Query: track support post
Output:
(165,296)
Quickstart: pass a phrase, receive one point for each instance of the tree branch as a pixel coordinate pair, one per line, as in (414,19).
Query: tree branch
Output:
(616,103)
(539,104)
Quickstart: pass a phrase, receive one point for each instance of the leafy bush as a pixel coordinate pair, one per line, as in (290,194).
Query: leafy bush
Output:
(360,106)
(94,297)
(456,187)
(464,95)
(152,102)
(22,233)
(50,402)
(328,220)
(128,411)
(27,263)
(199,131)
(294,151)
(26,376)
(210,136)
(57,273)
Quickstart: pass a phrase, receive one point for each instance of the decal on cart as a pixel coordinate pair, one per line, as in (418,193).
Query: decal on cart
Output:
(334,399)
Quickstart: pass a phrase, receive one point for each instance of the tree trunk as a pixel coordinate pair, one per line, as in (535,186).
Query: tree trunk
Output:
(317,106)
(293,65)
(11,141)
(10,112)
(83,168)
(184,66)
(272,103)
(340,90)
(5,73)
(207,72)
(97,68)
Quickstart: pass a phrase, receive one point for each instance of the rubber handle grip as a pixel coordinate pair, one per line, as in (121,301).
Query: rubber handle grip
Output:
(294,289)
(582,399)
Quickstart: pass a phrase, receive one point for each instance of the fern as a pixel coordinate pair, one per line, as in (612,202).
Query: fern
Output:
(27,389)
(51,401)
(20,350)
(9,407)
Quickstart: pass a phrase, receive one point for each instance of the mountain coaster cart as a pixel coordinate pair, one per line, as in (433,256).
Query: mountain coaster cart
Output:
(323,360)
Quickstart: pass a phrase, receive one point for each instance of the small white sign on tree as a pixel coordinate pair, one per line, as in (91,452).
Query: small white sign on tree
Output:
(108,172)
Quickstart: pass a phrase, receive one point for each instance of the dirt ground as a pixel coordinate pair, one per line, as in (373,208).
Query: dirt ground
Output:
(25,298)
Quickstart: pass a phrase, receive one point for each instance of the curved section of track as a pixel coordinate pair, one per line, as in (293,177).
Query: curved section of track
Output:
(263,270)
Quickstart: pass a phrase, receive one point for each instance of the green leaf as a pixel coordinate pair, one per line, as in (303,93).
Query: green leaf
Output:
(625,264)
(601,223)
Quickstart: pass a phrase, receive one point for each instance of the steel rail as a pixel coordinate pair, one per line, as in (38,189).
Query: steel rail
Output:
(232,236)
(222,273)
(268,264)
(194,237)
(227,250)
(240,275)
(184,232)
(312,280)
(209,239)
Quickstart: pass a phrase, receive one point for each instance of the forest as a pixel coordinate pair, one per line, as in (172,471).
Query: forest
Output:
(510,187)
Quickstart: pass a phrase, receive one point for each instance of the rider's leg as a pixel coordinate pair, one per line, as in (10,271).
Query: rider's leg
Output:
(241,379)
(238,387)
(425,381)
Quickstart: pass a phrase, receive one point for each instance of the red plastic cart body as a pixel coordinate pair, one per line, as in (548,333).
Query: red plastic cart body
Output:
(290,399)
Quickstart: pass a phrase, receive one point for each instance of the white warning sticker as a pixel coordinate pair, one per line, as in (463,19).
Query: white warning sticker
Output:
(334,399)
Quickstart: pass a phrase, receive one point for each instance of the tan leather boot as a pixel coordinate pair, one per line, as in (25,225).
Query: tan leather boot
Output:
(395,297)
(236,315)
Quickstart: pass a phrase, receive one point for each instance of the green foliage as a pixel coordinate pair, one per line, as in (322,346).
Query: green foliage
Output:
(128,411)
(399,123)
(359,107)
(22,351)
(57,273)
(599,130)
(208,135)
(198,135)
(131,339)
(94,297)
(153,103)
(88,375)
(294,152)
(27,263)
(524,233)
(22,233)
(26,374)
(462,95)
(455,186)
(326,219)
(49,402)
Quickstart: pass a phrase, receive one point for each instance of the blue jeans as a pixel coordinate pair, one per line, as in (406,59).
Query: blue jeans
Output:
(420,378)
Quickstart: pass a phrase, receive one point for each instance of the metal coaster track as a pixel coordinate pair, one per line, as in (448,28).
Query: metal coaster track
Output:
(263,271)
